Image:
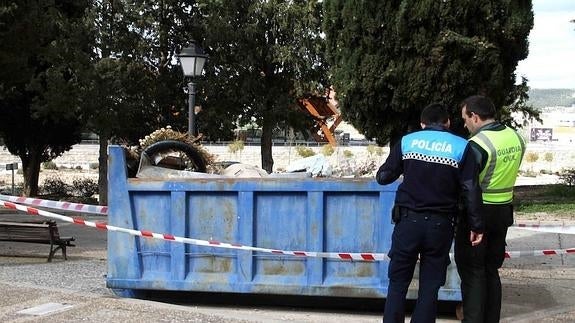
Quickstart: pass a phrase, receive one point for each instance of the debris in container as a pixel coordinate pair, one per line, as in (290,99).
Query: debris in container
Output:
(243,170)
(166,153)
(150,169)
(168,149)
(317,165)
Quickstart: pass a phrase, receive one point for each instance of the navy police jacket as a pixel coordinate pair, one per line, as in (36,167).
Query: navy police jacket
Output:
(438,168)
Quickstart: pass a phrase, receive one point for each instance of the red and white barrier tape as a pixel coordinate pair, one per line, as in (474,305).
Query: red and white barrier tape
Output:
(208,243)
(84,208)
(211,243)
(103,210)
(551,229)
(517,254)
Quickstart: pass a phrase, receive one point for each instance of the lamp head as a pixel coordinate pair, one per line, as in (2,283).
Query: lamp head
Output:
(192,59)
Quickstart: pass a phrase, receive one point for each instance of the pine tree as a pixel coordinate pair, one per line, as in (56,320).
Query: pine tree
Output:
(44,74)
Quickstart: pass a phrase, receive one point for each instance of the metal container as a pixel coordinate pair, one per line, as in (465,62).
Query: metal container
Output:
(306,214)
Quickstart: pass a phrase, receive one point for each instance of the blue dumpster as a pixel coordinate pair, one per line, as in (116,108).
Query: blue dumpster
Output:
(308,214)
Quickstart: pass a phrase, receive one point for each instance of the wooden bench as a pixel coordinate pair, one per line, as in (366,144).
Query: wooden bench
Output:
(44,232)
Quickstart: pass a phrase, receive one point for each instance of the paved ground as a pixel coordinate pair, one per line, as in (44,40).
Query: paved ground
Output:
(536,289)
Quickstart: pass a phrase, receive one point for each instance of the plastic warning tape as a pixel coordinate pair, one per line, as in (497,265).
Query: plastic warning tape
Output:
(212,243)
(208,243)
(85,208)
(549,229)
(517,254)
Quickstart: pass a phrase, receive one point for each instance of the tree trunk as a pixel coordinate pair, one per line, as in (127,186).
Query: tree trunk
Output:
(103,170)
(31,169)
(266,145)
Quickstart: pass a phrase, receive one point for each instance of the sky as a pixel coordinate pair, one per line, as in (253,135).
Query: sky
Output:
(551,60)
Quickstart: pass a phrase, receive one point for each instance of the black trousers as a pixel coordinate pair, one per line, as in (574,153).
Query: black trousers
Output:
(478,266)
(427,236)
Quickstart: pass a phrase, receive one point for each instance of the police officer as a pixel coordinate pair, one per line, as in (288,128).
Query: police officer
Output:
(437,169)
(499,150)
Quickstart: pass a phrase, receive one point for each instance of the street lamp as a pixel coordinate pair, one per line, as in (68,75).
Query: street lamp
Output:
(192,59)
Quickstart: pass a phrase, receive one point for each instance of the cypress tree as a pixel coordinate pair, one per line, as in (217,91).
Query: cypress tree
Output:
(391,58)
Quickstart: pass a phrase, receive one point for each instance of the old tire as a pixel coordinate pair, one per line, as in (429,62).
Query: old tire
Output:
(196,158)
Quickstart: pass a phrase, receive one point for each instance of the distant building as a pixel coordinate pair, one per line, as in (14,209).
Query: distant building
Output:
(558,126)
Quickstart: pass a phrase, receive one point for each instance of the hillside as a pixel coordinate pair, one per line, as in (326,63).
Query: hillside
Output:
(541,98)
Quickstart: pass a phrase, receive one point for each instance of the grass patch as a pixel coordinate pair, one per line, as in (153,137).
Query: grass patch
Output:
(557,200)
(548,208)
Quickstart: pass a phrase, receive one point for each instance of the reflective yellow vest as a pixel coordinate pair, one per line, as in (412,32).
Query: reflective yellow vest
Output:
(505,151)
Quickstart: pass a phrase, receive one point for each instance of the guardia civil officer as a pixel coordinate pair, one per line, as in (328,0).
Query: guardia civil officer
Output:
(499,150)
(438,168)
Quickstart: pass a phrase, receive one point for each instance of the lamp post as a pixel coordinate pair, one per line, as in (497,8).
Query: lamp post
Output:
(192,59)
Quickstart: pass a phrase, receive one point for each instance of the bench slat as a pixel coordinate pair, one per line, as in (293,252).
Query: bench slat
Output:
(44,232)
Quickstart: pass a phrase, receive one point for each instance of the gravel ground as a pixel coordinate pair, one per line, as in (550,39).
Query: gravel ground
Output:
(88,273)
(27,282)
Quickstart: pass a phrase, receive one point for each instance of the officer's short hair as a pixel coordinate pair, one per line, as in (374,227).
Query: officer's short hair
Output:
(435,113)
(480,105)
